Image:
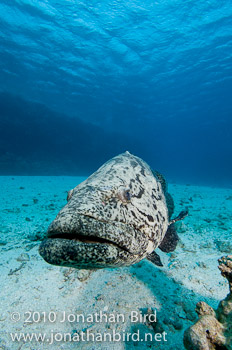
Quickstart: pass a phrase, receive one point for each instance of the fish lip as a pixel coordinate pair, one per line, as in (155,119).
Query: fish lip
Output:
(80,238)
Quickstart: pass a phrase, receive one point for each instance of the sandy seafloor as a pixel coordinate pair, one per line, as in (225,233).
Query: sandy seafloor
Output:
(29,284)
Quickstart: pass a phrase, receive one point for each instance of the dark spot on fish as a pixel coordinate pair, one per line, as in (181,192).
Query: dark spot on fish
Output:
(141,212)
(138,179)
(109,173)
(142,171)
(161,216)
(114,205)
(133,213)
(157,217)
(141,226)
(117,160)
(150,218)
(139,195)
(153,196)
(133,164)
(154,206)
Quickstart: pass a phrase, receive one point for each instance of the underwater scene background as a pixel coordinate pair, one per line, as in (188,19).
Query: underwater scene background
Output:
(80,82)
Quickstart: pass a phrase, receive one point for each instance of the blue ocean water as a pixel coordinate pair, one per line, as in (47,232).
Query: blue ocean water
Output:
(82,81)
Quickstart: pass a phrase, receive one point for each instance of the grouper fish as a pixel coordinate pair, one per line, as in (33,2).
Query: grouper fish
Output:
(116,217)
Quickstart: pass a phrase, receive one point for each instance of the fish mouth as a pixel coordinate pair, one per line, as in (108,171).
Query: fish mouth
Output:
(86,243)
(84,252)
(79,238)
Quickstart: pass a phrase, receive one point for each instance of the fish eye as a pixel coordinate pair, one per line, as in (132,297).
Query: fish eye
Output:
(127,195)
(124,195)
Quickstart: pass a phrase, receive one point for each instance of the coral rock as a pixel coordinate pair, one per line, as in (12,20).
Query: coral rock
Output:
(213,330)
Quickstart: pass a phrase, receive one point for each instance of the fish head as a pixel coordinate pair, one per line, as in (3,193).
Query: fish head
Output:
(114,218)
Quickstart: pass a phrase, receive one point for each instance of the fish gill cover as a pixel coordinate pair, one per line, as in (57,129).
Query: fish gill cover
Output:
(82,81)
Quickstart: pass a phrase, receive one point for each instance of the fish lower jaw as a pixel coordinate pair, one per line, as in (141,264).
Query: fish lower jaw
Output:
(83,255)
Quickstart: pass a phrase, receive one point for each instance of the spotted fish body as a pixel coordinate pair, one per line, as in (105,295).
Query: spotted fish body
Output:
(116,217)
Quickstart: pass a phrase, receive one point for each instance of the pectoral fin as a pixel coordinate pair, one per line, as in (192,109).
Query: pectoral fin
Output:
(170,240)
(181,216)
(154,258)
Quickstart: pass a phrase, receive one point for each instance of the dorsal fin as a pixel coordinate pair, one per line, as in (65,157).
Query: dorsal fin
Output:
(161,179)
(170,204)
